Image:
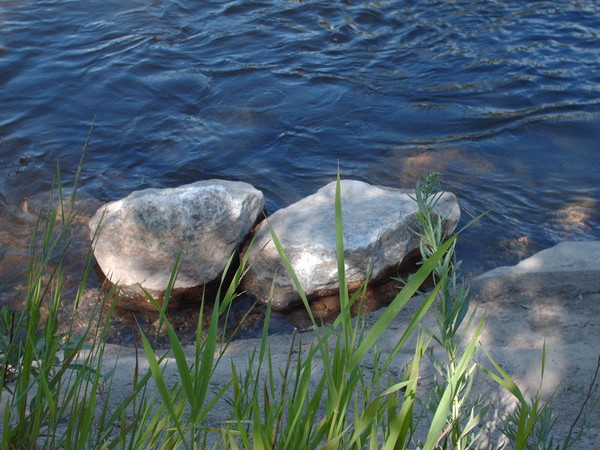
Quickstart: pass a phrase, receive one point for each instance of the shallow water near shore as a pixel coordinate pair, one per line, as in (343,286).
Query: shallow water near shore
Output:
(502,98)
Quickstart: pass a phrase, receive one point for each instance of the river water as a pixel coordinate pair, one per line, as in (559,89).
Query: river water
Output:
(501,97)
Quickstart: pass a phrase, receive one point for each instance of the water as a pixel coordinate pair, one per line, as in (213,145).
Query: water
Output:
(502,97)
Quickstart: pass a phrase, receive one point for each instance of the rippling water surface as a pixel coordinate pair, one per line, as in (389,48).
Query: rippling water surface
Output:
(502,97)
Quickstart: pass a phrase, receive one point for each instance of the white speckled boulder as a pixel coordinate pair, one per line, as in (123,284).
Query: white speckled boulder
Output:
(377,225)
(140,236)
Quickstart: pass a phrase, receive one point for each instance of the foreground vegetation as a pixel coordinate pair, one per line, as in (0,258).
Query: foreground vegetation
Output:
(51,382)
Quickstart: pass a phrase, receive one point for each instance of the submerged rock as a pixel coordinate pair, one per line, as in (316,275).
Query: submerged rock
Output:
(377,224)
(137,239)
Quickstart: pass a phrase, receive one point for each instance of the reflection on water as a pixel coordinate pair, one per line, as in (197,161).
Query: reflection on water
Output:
(577,216)
(503,98)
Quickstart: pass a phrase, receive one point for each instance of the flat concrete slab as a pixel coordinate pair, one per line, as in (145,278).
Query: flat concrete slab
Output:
(563,257)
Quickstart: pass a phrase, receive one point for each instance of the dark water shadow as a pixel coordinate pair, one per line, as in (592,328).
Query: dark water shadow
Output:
(244,319)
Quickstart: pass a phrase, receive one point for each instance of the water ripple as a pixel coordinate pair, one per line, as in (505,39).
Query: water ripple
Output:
(277,93)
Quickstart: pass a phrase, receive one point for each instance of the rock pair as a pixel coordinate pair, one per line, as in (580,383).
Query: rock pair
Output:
(137,239)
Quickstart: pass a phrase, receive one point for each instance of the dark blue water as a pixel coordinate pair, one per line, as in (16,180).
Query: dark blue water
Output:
(502,97)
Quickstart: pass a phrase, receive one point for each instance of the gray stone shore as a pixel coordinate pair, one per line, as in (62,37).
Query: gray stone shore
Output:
(524,309)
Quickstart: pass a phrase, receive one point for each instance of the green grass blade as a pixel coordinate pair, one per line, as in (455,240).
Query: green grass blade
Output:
(440,417)
(402,425)
(398,303)
(503,379)
(290,270)
(159,380)
(182,368)
(341,265)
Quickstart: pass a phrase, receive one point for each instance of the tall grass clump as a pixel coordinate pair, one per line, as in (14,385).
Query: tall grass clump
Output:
(50,379)
(457,417)
(337,388)
(347,406)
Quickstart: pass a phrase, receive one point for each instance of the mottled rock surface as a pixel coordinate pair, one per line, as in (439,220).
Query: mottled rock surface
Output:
(377,225)
(140,236)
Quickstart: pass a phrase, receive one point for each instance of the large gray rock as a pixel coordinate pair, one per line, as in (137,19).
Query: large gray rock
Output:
(564,257)
(377,225)
(140,236)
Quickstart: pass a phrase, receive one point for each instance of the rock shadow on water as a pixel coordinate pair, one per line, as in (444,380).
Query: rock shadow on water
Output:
(245,317)
(134,312)
(379,293)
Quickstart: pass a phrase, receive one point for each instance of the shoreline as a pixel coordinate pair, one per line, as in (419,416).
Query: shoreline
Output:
(524,312)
